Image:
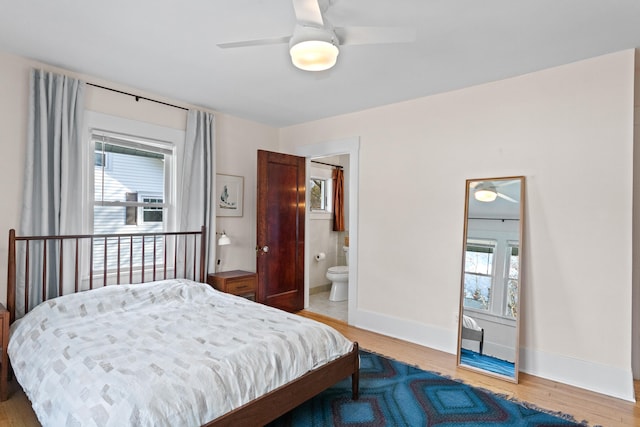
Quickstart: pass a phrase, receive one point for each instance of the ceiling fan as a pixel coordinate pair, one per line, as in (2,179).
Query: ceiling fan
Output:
(314,44)
(487,191)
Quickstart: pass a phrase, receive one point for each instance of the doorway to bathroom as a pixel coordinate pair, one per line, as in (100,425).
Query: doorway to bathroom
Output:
(345,152)
(327,235)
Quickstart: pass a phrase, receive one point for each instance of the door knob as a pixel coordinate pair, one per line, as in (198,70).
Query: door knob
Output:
(263,250)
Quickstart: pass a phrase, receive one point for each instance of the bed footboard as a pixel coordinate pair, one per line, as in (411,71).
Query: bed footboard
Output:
(283,399)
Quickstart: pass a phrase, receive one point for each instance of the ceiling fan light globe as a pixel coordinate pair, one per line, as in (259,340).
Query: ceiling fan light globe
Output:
(485,195)
(314,55)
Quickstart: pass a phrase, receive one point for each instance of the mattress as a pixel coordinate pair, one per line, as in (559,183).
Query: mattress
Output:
(167,353)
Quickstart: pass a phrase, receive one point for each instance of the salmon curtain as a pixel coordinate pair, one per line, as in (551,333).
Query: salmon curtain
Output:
(338,200)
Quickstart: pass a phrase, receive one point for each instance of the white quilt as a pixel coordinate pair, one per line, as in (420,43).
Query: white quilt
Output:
(169,353)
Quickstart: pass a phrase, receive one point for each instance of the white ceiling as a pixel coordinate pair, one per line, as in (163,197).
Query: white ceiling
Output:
(500,208)
(169,47)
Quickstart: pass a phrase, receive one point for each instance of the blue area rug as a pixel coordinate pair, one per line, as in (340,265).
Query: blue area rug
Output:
(488,363)
(396,394)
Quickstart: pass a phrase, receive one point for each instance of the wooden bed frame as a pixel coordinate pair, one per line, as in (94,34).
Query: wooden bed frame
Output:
(183,255)
(474,335)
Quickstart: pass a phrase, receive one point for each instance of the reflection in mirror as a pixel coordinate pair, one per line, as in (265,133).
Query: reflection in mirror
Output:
(488,332)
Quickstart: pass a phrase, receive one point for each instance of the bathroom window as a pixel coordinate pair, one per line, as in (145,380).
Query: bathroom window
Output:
(320,195)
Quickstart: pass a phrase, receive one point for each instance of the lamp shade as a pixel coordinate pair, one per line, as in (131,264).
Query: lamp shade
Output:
(224,239)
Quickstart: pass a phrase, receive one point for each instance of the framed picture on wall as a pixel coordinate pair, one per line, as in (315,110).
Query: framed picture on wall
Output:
(229,195)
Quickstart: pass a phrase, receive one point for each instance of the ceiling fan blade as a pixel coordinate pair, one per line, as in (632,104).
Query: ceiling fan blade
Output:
(505,183)
(504,196)
(308,12)
(259,42)
(375,35)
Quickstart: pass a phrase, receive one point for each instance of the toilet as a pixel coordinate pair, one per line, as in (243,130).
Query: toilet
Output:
(339,277)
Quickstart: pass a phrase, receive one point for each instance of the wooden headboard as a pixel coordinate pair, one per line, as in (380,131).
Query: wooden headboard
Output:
(122,258)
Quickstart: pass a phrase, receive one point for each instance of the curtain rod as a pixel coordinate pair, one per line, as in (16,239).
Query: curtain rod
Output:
(327,164)
(137,97)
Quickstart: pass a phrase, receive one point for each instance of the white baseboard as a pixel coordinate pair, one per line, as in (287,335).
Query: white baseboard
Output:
(500,351)
(591,376)
(609,380)
(418,333)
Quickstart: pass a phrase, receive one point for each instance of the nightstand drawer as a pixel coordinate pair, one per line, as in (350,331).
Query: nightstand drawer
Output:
(237,282)
(241,286)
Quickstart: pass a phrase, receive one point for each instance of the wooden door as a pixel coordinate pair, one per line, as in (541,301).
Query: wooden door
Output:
(280,230)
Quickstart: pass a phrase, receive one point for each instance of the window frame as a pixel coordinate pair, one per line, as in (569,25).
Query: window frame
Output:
(327,192)
(167,136)
(325,173)
(129,142)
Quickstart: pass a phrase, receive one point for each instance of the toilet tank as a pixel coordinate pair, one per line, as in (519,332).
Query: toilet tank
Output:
(346,254)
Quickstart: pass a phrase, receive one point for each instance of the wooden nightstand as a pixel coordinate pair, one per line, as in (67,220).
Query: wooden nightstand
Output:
(4,358)
(237,282)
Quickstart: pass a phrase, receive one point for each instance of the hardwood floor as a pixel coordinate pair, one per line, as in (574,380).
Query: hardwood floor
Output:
(584,405)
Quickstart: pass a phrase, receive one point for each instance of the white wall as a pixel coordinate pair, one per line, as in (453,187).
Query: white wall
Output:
(237,142)
(569,131)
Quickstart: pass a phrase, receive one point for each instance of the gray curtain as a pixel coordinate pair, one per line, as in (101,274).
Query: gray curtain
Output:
(196,187)
(52,201)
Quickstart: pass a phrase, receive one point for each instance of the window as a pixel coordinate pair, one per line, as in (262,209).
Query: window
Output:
(137,167)
(478,274)
(152,210)
(99,159)
(131,212)
(320,193)
(126,162)
(318,196)
(130,195)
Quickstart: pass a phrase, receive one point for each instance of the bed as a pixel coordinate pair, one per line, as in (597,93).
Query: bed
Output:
(169,350)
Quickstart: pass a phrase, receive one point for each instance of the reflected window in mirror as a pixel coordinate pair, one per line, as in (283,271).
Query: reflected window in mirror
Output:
(513,260)
(491,276)
(478,273)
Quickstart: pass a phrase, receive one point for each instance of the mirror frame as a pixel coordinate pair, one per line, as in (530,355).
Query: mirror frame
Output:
(468,193)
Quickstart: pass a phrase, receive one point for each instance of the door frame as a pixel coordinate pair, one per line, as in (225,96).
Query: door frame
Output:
(350,146)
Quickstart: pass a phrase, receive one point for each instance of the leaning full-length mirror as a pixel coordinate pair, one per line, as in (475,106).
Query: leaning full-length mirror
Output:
(488,330)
